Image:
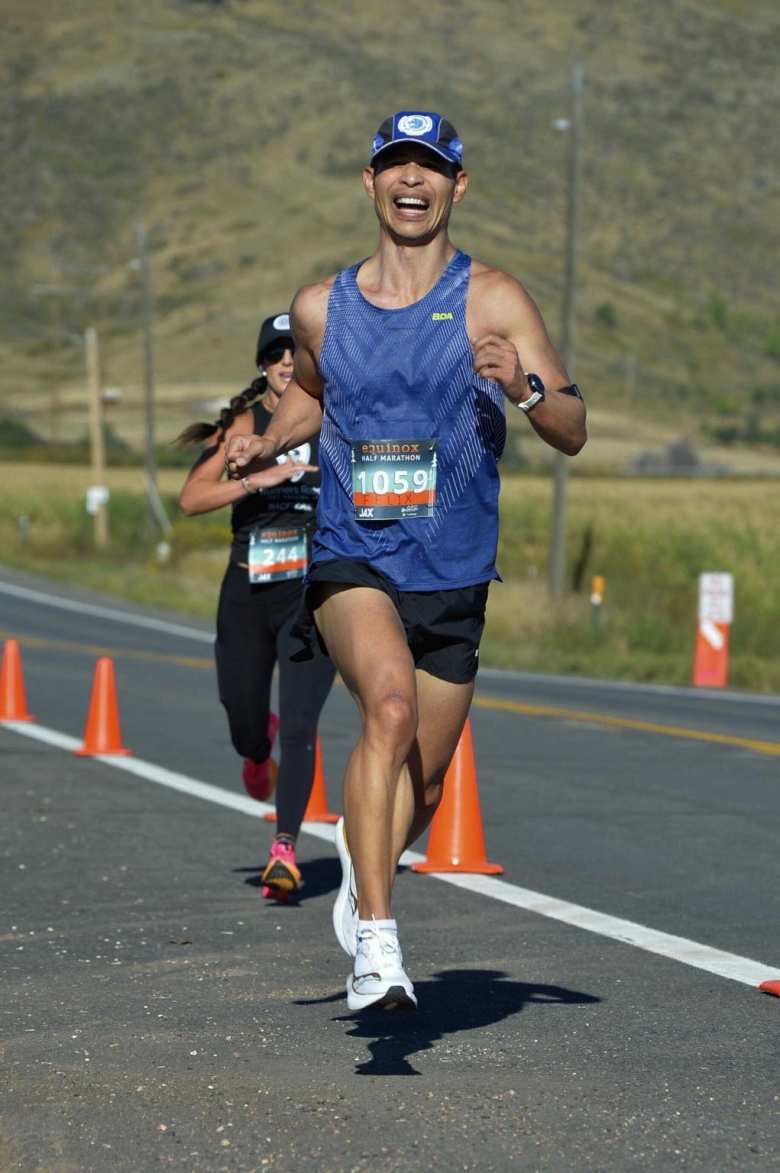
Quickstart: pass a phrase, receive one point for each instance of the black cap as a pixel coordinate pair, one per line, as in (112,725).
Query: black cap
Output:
(274,328)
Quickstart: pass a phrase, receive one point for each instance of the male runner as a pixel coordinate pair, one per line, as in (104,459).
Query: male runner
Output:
(404,361)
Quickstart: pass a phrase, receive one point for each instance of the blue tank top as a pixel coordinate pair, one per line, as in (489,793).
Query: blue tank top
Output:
(401,373)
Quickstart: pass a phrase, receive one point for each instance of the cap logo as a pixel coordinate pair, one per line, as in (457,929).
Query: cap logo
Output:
(282,322)
(415,124)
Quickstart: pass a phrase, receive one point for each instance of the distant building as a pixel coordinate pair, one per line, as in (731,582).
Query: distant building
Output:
(678,459)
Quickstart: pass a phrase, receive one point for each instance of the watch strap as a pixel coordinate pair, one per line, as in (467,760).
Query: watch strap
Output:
(526,405)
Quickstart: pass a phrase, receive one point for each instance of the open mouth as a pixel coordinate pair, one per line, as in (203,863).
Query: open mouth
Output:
(413,204)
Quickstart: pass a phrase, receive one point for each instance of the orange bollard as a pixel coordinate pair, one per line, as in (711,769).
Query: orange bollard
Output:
(13,702)
(716,614)
(711,655)
(457,840)
(317,806)
(101,733)
(771,987)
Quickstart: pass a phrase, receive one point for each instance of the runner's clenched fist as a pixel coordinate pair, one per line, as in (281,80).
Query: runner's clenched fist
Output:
(244,450)
(497,358)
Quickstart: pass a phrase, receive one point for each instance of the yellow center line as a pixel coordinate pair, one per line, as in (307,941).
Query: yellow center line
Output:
(766,747)
(61,645)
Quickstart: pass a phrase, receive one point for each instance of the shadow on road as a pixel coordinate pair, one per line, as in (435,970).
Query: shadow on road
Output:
(320,876)
(456,1000)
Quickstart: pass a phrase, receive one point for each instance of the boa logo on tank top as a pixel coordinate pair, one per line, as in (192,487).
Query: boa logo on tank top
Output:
(415,124)
(301,455)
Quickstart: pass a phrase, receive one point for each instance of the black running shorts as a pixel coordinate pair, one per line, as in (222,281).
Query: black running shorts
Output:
(443,628)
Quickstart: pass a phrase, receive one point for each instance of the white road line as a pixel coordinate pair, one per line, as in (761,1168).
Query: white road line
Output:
(112,613)
(717,961)
(692,953)
(543,678)
(41,733)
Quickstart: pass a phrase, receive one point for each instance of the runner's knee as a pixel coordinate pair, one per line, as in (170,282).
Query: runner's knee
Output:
(392,718)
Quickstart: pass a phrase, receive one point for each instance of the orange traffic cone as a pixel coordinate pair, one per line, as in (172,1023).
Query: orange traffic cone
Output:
(13,702)
(771,987)
(101,733)
(457,841)
(317,806)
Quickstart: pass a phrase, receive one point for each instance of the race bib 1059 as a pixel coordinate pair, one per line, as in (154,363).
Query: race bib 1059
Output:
(277,554)
(393,479)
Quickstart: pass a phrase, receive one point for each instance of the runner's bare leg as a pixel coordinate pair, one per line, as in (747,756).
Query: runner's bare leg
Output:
(367,643)
(442,709)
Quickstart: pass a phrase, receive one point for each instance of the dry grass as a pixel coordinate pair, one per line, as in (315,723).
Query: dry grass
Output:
(31,482)
(649,538)
(694,503)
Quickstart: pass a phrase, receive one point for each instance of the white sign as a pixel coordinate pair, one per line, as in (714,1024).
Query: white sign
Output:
(97,495)
(716,598)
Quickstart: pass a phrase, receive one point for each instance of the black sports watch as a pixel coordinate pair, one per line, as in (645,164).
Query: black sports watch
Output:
(536,396)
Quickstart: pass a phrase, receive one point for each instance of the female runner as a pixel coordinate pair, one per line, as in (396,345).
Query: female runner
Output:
(272,515)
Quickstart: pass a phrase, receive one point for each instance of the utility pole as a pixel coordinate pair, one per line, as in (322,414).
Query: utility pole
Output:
(156,509)
(568,330)
(96,437)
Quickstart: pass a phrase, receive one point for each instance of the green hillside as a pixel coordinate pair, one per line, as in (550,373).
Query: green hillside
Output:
(237,130)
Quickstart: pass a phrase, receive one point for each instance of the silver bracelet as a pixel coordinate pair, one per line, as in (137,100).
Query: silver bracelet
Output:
(248,486)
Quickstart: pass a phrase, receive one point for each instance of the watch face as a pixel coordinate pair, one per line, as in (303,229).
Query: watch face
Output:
(535,383)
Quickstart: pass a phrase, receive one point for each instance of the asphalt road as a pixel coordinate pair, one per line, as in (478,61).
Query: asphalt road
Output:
(156,1012)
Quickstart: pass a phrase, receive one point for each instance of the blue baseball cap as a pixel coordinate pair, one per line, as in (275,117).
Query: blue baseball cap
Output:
(419,126)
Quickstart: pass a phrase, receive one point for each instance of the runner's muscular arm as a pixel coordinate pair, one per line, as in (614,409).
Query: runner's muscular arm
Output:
(298,415)
(510,341)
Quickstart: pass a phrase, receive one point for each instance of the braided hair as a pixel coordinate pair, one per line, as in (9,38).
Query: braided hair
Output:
(197,433)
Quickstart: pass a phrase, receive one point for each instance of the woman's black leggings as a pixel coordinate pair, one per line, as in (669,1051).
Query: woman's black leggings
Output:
(253,634)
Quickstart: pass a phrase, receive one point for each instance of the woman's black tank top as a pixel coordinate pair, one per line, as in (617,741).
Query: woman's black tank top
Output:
(293,503)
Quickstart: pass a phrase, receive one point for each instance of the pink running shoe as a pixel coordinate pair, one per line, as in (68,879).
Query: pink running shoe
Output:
(259,778)
(281,877)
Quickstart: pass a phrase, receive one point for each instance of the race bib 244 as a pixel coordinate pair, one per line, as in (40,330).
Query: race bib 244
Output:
(276,555)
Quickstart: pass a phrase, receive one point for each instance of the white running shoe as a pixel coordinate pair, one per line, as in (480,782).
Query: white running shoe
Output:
(345,909)
(378,978)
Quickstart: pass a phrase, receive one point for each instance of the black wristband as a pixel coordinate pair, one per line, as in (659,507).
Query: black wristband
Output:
(572,390)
